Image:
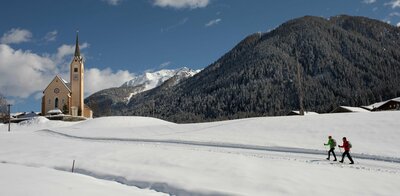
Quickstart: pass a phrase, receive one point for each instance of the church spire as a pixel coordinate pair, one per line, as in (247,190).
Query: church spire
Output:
(77,51)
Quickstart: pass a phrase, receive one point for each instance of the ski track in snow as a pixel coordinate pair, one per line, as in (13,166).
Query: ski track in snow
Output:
(309,156)
(224,145)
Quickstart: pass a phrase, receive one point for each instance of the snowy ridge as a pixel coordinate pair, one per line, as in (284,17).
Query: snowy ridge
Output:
(150,80)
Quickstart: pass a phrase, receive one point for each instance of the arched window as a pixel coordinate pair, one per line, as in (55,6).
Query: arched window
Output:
(56,103)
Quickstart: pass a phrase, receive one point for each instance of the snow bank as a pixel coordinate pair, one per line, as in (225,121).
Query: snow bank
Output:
(121,122)
(22,181)
(34,121)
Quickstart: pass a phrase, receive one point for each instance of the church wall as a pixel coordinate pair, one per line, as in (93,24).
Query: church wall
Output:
(50,95)
(88,113)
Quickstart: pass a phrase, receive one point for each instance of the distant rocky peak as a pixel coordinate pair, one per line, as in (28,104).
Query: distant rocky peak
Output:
(150,80)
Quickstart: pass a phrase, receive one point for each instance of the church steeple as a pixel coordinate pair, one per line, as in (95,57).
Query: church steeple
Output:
(77,51)
(76,82)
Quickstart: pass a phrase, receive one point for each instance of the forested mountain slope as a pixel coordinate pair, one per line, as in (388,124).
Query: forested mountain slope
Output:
(343,60)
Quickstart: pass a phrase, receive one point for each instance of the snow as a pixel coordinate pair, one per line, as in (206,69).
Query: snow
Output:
(151,80)
(375,105)
(379,104)
(355,109)
(35,181)
(34,121)
(54,111)
(128,99)
(254,156)
(65,81)
(305,113)
(396,99)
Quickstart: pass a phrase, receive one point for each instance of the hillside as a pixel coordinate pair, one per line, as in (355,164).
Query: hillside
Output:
(105,101)
(343,60)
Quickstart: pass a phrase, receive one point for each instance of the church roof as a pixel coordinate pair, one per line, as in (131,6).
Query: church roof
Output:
(77,51)
(67,85)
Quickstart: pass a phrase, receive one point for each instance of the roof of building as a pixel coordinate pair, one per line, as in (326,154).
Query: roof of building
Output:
(379,104)
(305,112)
(67,85)
(28,115)
(396,99)
(77,51)
(354,109)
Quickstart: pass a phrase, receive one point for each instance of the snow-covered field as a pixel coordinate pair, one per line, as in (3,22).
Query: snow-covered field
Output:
(255,156)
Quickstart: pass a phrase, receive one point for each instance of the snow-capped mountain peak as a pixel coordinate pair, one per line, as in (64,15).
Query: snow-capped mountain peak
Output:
(150,80)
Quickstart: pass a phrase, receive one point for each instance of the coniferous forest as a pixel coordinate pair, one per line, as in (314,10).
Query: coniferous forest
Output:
(343,60)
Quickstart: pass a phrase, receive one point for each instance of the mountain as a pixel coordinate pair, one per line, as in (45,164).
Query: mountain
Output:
(121,95)
(343,60)
(150,80)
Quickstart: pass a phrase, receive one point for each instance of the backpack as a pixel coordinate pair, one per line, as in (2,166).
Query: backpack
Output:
(350,146)
(334,142)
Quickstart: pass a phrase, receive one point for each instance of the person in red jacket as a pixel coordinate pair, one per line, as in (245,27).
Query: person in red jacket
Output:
(346,147)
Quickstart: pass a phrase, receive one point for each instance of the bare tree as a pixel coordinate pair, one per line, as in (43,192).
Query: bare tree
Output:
(300,89)
(3,108)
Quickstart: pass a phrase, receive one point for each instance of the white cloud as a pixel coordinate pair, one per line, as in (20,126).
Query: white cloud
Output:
(398,24)
(96,79)
(23,72)
(213,22)
(394,14)
(113,2)
(15,36)
(369,1)
(51,36)
(180,23)
(67,50)
(192,4)
(394,3)
(165,64)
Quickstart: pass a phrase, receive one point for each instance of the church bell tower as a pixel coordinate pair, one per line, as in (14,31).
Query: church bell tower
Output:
(76,82)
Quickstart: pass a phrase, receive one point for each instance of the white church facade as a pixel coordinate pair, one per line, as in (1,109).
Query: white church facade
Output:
(68,97)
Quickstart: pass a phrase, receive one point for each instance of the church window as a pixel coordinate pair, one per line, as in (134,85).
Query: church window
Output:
(56,103)
(75,69)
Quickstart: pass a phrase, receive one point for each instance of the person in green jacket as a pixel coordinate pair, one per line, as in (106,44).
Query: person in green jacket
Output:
(332,144)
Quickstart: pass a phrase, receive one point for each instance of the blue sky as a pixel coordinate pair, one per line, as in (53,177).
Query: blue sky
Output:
(121,38)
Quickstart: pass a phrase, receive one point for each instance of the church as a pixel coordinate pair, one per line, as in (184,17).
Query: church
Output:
(68,97)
